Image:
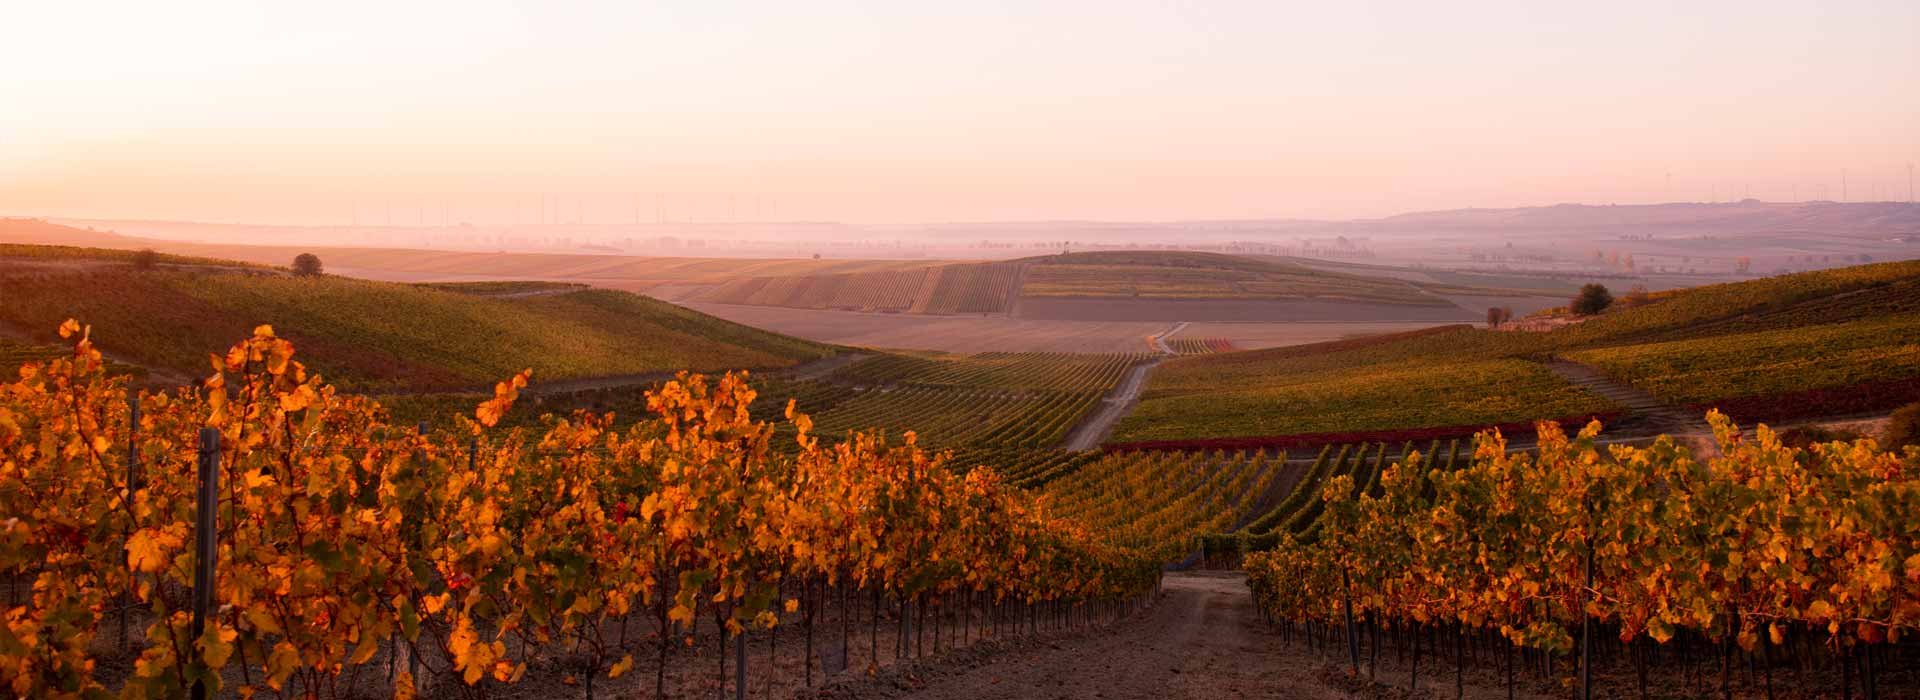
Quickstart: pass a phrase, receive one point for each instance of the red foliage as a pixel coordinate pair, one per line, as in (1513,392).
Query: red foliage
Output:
(1818,403)
(1298,440)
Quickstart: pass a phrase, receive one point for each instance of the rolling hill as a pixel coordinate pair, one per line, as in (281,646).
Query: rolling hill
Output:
(1825,343)
(1113,286)
(375,336)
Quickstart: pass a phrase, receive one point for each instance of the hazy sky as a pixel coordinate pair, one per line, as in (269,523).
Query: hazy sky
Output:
(308,112)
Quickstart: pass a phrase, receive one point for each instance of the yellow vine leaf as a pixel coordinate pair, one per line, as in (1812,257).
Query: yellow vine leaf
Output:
(149,550)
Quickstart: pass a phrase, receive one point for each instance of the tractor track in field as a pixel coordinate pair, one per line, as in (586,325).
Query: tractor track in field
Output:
(1099,424)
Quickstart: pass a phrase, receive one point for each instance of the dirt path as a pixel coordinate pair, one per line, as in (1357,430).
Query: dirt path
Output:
(1645,413)
(1096,427)
(1160,340)
(1202,639)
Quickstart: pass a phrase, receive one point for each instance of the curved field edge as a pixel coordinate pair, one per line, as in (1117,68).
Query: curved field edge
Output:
(380,336)
(1814,335)
(1364,398)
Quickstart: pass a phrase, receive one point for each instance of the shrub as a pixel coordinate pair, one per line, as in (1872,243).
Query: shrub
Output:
(1498,316)
(306,265)
(1593,299)
(145,259)
(1903,428)
(1815,435)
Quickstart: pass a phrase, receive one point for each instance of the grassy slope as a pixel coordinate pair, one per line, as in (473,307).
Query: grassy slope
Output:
(382,336)
(1809,331)
(1190,275)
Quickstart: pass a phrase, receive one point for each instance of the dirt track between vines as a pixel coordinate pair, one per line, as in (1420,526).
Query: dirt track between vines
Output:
(1202,639)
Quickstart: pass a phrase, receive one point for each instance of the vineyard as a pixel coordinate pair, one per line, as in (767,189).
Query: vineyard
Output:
(941,289)
(321,550)
(1697,372)
(1200,346)
(1801,564)
(1160,502)
(1369,397)
(971,289)
(1192,275)
(1833,342)
(865,291)
(377,336)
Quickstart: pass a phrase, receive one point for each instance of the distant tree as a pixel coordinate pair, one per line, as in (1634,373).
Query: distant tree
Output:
(1498,316)
(146,259)
(1593,299)
(306,265)
(1903,429)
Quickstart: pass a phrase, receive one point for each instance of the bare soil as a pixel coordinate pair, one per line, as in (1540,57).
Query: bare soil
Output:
(1268,310)
(969,333)
(1201,639)
(997,333)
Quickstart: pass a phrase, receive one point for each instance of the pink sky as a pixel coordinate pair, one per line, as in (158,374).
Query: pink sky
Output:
(910,111)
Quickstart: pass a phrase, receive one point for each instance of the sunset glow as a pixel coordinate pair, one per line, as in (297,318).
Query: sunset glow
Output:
(494,112)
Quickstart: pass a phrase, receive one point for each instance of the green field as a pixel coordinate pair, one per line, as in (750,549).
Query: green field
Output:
(1763,363)
(1007,410)
(1829,331)
(1369,397)
(377,336)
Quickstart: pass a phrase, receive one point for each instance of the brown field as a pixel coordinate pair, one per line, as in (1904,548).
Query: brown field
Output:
(625,272)
(1258,310)
(1174,275)
(1256,336)
(980,333)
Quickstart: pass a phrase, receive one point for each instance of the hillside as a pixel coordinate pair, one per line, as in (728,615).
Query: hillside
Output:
(1831,342)
(380,336)
(1114,286)
(1191,275)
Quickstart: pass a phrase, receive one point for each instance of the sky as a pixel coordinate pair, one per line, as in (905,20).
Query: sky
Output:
(494,112)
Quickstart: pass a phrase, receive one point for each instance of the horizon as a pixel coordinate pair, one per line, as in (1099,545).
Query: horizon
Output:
(55,218)
(505,113)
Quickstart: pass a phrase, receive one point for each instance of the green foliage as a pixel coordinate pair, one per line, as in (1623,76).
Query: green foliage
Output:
(1765,363)
(379,336)
(1815,330)
(1369,396)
